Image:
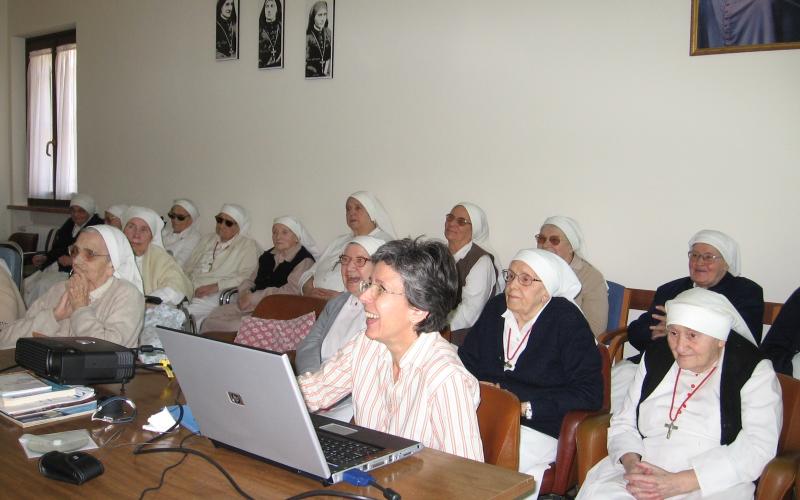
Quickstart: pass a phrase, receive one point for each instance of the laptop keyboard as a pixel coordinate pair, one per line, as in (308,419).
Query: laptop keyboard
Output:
(340,452)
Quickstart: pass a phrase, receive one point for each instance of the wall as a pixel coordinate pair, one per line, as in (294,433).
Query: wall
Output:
(528,108)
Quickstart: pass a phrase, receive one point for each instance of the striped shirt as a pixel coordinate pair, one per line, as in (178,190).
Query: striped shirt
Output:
(434,399)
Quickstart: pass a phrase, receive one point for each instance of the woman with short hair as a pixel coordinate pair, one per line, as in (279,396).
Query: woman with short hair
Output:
(182,235)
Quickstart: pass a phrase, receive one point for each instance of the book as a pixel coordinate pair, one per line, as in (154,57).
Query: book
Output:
(53,415)
(22,383)
(81,394)
(56,390)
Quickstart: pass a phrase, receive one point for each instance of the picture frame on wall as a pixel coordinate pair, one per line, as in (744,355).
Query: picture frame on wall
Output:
(227,38)
(271,21)
(319,39)
(723,26)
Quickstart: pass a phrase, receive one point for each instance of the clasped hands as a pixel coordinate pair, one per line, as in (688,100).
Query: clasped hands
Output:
(646,481)
(76,295)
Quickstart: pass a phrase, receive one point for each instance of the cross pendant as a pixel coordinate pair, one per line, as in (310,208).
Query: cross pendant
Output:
(508,366)
(273,52)
(670,426)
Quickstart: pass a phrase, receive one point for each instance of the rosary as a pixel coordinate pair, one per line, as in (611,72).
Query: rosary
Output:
(508,365)
(670,426)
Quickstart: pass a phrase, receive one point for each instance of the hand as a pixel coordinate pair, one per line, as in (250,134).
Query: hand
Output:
(78,289)
(324,293)
(244,300)
(63,309)
(646,481)
(308,287)
(205,290)
(65,261)
(659,330)
(38,259)
(630,460)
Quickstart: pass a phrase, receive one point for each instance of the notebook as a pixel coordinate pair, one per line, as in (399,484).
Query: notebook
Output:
(248,399)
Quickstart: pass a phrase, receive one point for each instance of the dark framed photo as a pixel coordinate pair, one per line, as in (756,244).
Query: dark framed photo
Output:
(227,18)
(319,39)
(270,34)
(722,26)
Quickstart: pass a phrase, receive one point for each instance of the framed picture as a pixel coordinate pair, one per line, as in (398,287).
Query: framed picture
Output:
(227,18)
(319,39)
(722,26)
(270,34)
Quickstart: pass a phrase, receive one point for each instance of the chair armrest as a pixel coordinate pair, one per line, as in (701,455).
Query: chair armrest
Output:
(778,477)
(615,340)
(225,295)
(227,337)
(566,464)
(591,439)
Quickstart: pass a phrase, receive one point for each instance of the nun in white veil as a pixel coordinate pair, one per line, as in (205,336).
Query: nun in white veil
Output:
(181,235)
(102,299)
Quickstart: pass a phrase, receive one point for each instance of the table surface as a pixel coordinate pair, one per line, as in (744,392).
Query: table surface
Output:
(428,474)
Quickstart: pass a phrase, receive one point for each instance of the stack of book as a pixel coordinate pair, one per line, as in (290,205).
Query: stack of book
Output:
(28,400)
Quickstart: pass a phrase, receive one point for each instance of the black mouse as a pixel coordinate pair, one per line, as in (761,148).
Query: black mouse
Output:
(75,467)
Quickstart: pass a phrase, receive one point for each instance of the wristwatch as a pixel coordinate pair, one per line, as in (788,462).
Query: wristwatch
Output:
(527,410)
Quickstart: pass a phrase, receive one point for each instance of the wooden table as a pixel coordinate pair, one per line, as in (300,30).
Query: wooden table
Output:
(428,474)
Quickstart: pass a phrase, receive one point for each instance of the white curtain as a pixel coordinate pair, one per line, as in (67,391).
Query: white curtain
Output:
(67,171)
(40,124)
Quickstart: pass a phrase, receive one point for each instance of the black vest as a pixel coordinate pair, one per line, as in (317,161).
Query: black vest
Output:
(741,358)
(464,266)
(270,276)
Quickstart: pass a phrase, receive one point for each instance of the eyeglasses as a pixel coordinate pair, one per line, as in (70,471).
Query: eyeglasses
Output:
(461,221)
(173,215)
(227,222)
(88,253)
(366,285)
(359,261)
(554,240)
(523,279)
(705,258)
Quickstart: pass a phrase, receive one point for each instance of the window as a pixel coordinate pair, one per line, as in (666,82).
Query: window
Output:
(52,126)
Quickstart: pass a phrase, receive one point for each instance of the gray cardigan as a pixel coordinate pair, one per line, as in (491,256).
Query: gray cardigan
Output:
(308,357)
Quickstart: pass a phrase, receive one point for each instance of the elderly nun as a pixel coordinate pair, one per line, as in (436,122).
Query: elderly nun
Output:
(279,270)
(102,298)
(703,415)
(365,216)
(221,260)
(181,236)
(563,236)
(114,214)
(535,342)
(162,277)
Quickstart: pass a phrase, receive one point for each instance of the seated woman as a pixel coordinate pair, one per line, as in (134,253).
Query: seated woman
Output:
(114,214)
(706,433)
(102,299)
(563,236)
(467,232)
(404,377)
(57,263)
(221,260)
(11,305)
(181,238)
(782,343)
(279,271)
(162,277)
(535,342)
(343,316)
(365,216)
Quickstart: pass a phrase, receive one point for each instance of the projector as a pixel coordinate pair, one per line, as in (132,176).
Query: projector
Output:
(76,360)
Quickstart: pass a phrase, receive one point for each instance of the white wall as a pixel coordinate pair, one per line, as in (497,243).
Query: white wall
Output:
(528,108)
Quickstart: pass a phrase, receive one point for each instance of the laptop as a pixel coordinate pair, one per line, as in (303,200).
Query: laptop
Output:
(247,399)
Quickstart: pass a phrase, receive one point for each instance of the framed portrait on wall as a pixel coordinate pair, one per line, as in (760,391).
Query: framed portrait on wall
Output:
(227,18)
(319,39)
(722,26)
(270,34)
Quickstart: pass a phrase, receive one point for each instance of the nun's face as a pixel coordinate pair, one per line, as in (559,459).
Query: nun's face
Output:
(227,9)
(112,220)
(352,274)
(179,218)
(78,215)
(227,227)
(706,265)
(525,301)
(91,260)
(693,350)
(456,233)
(321,17)
(283,238)
(139,235)
(358,218)
(553,239)
(270,10)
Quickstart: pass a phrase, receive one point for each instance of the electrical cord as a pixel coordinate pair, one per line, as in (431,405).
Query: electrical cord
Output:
(167,469)
(330,493)
(356,478)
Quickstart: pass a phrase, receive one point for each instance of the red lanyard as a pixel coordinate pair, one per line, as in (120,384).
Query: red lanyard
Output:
(508,344)
(688,396)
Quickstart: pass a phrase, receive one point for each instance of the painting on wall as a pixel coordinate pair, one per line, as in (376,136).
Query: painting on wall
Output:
(319,39)
(722,26)
(227,17)
(270,35)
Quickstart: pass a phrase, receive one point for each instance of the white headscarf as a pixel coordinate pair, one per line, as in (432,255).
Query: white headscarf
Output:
(724,244)
(480,235)
(369,243)
(188,206)
(299,230)
(150,217)
(557,277)
(377,213)
(121,254)
(571,230)
(237,213)
(84,201)
(117,211)
(707,312)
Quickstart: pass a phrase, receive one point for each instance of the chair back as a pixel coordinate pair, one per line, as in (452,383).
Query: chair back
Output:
(282,306)
(771,311)
(498,420)
(605,366)
(26,241)
(617,298)
(11,253)
(789,440)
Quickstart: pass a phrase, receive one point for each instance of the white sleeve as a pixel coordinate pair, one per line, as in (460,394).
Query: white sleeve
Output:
(168,295)
(623,433)
(476,292)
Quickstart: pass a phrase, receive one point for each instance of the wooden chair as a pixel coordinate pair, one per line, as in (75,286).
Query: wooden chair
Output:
(634,299)
(498,419)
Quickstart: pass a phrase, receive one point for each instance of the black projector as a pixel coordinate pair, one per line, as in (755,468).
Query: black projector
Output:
(76,360)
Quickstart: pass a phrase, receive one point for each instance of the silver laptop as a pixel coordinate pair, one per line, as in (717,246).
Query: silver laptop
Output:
(248,399)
